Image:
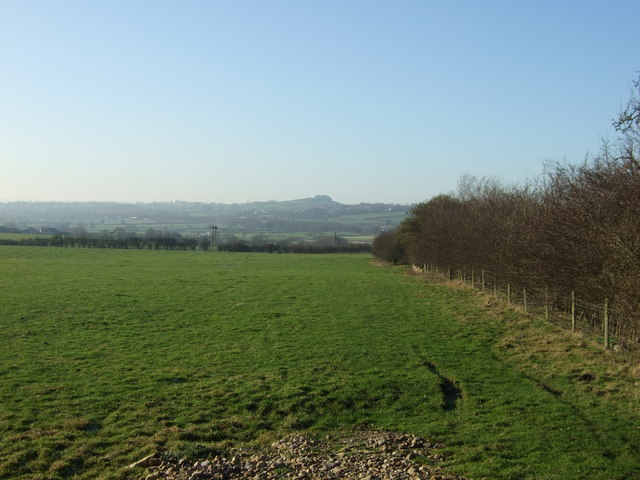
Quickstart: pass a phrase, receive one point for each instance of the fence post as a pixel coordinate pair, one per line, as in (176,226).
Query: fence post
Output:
(524,297)
(546,303)
(573,311)
(473,279)
(508,294)
(483,281)
(606,323)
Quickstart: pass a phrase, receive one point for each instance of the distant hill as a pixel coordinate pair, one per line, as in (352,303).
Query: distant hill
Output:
(314,215)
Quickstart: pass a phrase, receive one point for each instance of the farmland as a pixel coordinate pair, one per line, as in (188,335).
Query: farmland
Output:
(304,218)
(110,355)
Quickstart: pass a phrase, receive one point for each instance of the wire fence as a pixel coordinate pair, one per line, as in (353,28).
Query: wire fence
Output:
(615,328)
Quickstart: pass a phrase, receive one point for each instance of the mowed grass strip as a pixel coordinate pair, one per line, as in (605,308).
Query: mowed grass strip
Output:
(109,355)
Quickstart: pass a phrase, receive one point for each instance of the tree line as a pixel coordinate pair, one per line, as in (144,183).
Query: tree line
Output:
(118,239)
(574,230)
(166,240)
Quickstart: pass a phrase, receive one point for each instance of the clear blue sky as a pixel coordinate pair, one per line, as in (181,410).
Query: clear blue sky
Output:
(365,101)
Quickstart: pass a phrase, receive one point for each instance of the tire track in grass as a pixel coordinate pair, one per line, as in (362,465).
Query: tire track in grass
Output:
(450,389)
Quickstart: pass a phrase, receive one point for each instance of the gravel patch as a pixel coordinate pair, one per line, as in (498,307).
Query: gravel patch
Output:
(364,455)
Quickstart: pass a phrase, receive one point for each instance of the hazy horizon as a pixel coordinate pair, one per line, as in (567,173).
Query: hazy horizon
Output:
(369,101)
(275,200)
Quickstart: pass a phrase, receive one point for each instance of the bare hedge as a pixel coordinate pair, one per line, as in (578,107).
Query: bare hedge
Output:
(575,229)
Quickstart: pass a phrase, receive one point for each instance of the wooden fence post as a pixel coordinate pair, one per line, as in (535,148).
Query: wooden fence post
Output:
(546,303)
(606,323)
(483,281)
(573,311)
(524,298)
(508,294)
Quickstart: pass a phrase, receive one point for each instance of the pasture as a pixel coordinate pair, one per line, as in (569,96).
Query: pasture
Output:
(21,236)
(109,355)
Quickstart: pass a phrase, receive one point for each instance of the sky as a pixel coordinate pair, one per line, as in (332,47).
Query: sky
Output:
(365,101)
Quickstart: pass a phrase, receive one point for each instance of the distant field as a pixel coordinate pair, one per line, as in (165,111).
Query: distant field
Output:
(109,355)
(310,216)
(360,238)
(197,229)
(393,218)
(21,236)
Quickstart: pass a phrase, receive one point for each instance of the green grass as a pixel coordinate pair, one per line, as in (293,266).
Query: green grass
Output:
(109,355)
(21,236)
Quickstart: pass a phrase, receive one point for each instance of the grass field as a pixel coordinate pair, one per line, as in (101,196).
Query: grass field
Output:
(110,355)
(21,236)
